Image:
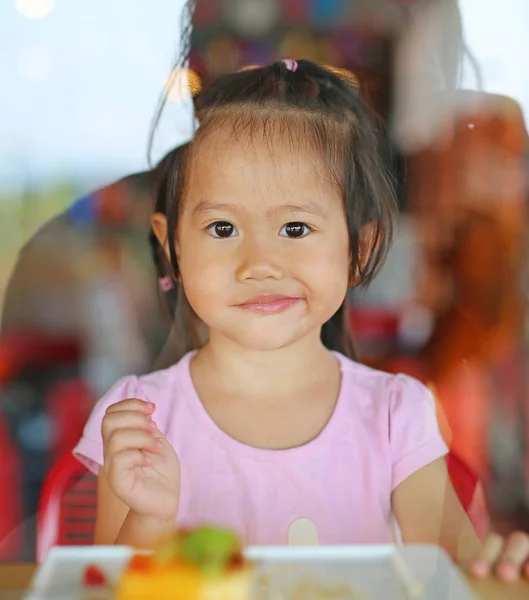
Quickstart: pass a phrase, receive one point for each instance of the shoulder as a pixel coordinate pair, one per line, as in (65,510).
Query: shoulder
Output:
(401,412)
(159,387)
(41,257)
(370,380)
(45,237)
(391,396)
(474,100)
(362,373)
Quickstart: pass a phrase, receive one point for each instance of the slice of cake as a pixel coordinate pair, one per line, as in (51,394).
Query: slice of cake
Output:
(203,564)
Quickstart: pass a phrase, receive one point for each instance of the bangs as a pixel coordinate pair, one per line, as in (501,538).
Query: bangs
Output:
(319,140)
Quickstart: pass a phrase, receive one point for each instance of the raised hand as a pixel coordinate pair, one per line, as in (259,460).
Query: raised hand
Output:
(141,466)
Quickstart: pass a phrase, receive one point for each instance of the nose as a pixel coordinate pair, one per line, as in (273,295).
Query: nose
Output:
(259,260)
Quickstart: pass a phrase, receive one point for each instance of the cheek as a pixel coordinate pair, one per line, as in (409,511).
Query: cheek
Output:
(199,266)
(327,266)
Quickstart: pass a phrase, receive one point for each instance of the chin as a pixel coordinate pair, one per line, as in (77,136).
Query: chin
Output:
(265,336)
(263,342)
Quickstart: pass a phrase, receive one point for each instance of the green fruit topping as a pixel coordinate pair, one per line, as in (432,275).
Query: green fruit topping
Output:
(211,548)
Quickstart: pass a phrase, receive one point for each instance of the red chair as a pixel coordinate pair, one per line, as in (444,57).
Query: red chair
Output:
(19,351)
(10,500)
(67,507)
(470,493)
(68,405)
(374,329)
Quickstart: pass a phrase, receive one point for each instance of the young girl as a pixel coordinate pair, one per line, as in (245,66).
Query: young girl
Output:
(279,203)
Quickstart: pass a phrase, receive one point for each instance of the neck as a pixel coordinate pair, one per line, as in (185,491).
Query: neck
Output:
(256,372)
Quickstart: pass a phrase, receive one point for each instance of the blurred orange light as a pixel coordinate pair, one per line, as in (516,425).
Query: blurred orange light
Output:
(249,67)
(344,74)
(182,83)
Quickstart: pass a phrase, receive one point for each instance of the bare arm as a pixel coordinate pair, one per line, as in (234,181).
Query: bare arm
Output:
(111,513)
(428,511)
(143,531)
(117,524)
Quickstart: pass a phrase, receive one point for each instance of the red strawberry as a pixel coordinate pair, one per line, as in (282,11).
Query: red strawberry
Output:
(94,577)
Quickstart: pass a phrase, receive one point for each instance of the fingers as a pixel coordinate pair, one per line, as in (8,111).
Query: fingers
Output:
(128,459)
(131,413)
(128,426)
(490,551)
(132,439)
(514,557)
(132,404)
(508,559)
(125,419)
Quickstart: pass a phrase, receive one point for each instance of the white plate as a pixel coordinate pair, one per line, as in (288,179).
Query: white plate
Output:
(60,575)
(378,572)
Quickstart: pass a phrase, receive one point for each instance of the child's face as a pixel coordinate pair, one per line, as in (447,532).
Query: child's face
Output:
(263,246)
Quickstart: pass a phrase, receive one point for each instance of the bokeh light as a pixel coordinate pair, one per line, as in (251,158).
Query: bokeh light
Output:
(252,18)
(181,84)
(222,56)
(34,9)
(345,74)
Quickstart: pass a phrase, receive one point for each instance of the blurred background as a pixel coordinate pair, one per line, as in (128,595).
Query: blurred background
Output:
(95,93)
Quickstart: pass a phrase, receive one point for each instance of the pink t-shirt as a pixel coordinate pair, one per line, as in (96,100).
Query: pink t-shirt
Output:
(337,487)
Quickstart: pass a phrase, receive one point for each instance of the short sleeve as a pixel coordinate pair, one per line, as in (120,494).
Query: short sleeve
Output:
(89,449)
(415,439)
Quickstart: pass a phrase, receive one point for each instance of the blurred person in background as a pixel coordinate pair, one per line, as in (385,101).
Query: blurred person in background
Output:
(466,190)
(453,311)
(101,295)
(82,308)
(100,290)
(474,337)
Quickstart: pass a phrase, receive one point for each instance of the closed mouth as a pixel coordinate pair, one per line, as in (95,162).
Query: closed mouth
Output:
(269,303)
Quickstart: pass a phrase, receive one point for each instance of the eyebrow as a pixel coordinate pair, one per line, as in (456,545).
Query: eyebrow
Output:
(310,208)
(205,206)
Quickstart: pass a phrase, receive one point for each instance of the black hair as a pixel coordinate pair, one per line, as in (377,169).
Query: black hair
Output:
(163,268)
(180,61)
(177,307)
(316,109)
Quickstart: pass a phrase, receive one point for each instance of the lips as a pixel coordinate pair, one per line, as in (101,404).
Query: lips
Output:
(269,303)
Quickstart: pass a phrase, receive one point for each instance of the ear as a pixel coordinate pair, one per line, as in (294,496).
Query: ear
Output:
(159,227)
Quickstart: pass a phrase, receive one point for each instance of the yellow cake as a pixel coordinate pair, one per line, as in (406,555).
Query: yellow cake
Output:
(203,564)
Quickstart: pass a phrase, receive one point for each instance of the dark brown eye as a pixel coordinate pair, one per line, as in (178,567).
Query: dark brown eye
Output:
(222,229)
(295,230)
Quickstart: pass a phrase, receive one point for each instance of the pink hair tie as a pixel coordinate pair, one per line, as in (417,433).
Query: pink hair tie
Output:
(291,65)
(165,283)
